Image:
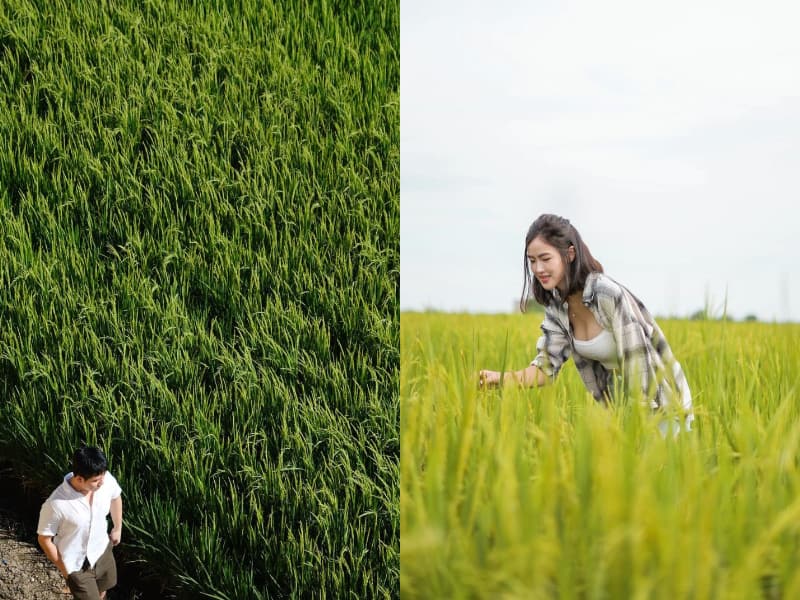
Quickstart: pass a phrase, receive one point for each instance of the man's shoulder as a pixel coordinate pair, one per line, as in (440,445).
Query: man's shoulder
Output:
(56,501)
(61,493)
(112,485)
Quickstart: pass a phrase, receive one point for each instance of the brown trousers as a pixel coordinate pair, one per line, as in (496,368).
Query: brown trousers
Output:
(88,583)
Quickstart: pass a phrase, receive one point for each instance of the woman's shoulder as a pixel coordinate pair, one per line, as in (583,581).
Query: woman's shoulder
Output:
(610,295)
(599,285)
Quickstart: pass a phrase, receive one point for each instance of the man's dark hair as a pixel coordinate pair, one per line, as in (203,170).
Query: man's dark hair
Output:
(560,233)
(89,461)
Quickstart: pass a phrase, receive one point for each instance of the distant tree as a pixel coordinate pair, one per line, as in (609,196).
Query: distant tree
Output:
(704,314)
(531,306)
(751,317)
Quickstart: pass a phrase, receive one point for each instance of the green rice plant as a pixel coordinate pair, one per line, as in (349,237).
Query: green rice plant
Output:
(199,269)
(542,493)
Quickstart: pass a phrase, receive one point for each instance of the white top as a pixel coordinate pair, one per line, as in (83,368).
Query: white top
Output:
(80,531)
(601,348)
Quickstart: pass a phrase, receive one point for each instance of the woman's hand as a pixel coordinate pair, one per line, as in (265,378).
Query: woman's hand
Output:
(488,379)
(529,377)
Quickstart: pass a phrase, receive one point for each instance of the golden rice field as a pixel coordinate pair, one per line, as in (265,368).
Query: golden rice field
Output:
(541,493)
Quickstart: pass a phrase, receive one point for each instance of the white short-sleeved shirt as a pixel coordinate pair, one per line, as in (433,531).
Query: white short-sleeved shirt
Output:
(79,531)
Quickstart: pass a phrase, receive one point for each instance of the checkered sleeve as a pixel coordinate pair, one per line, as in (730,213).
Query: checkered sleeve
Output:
(553,348)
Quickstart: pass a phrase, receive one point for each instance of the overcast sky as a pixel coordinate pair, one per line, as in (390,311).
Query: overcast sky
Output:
(668,133)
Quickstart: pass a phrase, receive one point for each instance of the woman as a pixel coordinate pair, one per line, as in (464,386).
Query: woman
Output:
(589,316)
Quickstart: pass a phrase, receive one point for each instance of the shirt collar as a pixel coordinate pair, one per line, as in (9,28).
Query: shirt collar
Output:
(589,286)
(70,491)
(588,289)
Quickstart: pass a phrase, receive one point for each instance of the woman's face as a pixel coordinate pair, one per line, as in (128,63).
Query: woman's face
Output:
(546,263)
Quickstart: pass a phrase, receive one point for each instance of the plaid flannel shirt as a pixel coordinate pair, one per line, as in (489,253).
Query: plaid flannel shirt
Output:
(645,357)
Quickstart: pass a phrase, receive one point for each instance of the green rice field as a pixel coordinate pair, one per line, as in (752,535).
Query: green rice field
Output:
(199,271)
(542,493)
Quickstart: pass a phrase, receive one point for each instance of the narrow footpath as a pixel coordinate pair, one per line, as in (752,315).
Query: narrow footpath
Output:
(25,573)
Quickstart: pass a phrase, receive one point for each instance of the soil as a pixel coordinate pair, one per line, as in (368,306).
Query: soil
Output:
(25,572)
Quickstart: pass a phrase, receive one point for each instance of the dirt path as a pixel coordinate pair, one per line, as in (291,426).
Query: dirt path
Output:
(25,573)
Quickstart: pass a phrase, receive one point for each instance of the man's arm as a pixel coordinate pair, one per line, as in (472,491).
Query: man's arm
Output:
(116,516)
(51,552)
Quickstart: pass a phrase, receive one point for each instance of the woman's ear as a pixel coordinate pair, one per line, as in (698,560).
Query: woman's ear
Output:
(571,253)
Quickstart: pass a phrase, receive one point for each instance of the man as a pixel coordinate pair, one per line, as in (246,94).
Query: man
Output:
(73,531)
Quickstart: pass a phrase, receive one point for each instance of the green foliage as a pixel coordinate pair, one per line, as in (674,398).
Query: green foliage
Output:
(543,493)
(199,270)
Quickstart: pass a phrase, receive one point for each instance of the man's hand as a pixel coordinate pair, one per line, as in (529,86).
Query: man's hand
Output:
(62,569)
(115,535)
(52,553)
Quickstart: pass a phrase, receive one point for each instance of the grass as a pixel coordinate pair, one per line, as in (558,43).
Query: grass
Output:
(542,493)
(199,270)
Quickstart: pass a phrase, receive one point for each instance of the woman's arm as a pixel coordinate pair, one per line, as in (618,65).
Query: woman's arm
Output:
(529,377)
(553,348)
